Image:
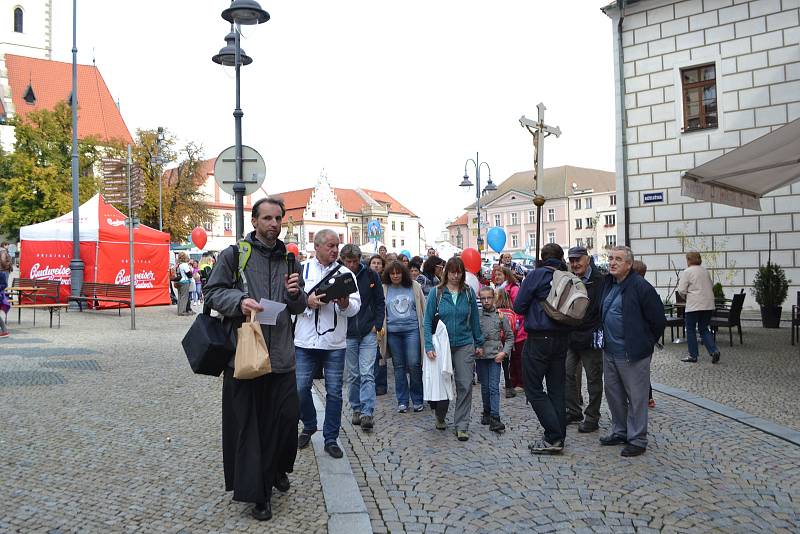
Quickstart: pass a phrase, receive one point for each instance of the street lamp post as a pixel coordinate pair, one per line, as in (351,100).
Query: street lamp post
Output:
(75,264)
(489,188)
(240,12)
(157,161)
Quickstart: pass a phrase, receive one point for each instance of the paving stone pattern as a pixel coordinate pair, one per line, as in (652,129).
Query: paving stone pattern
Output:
(702,472)
(760,377)
(133,446)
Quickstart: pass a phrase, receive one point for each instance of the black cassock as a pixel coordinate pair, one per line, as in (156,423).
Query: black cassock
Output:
(259,432)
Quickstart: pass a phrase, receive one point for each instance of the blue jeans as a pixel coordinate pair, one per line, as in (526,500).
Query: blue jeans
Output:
(489,377)
(333,363)
(360,365)
(699,319)
(381,378)
(407,358)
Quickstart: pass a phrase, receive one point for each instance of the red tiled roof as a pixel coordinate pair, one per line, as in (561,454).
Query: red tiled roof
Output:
(394,205)
(349,198)
(51,82)
(461,221)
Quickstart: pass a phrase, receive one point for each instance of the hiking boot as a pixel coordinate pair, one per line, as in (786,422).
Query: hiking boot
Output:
(356,418)
(484,418)
(510,393)
(632,450)
(462,435)
(440,424)
(366,422)
(544,447)
(496,425)
(715,357)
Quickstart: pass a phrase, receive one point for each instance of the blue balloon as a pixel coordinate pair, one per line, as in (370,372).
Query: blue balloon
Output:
(406,253)
(496,237)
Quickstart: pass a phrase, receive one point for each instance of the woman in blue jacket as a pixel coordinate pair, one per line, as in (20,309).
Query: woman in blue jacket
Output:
(457,306)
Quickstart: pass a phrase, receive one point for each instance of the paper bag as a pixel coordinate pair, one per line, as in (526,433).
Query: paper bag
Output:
(252,356)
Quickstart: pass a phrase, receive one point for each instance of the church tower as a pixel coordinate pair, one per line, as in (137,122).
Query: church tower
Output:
(26,28)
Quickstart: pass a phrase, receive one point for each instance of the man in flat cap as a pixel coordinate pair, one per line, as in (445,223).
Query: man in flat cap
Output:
(585,346)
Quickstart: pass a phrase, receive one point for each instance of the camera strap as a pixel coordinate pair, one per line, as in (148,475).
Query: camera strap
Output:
(316,312)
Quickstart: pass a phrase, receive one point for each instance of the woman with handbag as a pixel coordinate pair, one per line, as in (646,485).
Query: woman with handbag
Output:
(402,339)
(183,280)
(455,305)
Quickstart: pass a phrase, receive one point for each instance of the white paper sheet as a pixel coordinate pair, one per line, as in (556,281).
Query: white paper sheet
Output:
(271,310)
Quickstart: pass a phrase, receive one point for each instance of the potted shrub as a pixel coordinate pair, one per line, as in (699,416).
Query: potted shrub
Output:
(770,287)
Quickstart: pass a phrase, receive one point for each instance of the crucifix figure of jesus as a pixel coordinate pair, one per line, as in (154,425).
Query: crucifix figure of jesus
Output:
(539,130)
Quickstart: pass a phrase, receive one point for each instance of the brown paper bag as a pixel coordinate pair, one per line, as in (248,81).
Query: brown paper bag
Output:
(252,356)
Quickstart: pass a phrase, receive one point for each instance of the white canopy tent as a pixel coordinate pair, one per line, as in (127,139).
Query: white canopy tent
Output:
(742,176)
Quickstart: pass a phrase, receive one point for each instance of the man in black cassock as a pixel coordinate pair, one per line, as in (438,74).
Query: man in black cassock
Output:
(259,416)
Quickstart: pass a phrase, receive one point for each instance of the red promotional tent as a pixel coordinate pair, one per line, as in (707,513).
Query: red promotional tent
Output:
(46,249)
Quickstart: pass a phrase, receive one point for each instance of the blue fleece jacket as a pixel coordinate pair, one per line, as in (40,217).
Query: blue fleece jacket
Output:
(642,314)
(533,290)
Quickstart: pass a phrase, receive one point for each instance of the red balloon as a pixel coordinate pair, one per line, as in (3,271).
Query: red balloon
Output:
(199,237)
(291,247)
(472,260)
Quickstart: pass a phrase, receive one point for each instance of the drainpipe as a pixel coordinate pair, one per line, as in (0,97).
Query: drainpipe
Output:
(623,122)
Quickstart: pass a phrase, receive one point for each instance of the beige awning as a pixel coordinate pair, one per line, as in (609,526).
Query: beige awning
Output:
(742,176)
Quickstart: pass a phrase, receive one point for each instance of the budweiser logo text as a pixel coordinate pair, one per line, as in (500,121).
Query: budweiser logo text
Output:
(144,279)
(47,273)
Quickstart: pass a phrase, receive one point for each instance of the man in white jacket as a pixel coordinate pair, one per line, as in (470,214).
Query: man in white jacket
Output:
(321,336)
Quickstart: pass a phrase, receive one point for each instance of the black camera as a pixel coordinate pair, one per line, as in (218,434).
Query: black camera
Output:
(336,286)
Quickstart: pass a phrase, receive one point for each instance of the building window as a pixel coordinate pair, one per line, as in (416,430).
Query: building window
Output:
(497,220)
(590,243)
(579,242)
(394,243)
(335,215)
(18,20)
(531,239)
(392,225)
(589,222)
(551,237)
(227,222)
(587,203)
(611,241)
(310,237)
(207,226)
(514,240)
(611,220)
(578,224)
(613,200)
(403,243)
(29,96)
(514,218)
(551,215)
(699,97)
(402,226)
(313,214)
(531,217)
(577,203)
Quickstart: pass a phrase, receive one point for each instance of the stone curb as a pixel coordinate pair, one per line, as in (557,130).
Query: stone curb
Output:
(347,513)
(779,431)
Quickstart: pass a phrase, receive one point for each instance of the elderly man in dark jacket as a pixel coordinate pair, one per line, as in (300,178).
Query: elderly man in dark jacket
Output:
(633,320)
(545,352)
(583,346)
(362,344)
(259,416)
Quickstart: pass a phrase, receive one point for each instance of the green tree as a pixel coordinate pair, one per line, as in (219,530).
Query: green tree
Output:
(184,205)
(36,179)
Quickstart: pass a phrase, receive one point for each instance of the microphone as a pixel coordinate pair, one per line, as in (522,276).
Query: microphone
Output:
(290,263)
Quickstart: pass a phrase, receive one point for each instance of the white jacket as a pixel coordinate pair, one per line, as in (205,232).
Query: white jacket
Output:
(437,375)
(696,286)
(312,328)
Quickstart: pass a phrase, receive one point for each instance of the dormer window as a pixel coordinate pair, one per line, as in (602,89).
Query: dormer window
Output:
(18,20)
(29,96)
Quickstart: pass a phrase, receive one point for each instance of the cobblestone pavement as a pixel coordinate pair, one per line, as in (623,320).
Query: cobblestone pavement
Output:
(759,377)
(702,472)
(107,430)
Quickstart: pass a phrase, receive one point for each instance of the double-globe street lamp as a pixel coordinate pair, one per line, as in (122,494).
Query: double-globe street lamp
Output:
(489,188)
(241,12)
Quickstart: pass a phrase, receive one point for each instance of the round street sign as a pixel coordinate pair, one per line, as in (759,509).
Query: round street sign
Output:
(254,170)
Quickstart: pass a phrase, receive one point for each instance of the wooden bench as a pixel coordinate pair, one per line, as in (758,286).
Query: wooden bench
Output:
(45,295)
(95,292)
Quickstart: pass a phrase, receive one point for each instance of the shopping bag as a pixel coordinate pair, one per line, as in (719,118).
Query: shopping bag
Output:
(252,356)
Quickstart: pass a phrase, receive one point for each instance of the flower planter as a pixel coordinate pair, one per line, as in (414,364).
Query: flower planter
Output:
(771,316)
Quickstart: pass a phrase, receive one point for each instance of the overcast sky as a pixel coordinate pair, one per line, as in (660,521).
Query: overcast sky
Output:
(393,96)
